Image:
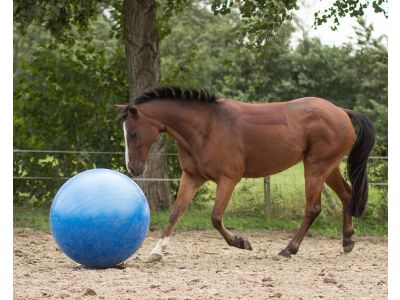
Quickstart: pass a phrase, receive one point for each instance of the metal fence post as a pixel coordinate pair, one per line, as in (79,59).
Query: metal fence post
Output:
(267,197)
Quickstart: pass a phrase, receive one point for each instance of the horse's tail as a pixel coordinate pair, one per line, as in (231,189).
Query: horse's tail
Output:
(357,162)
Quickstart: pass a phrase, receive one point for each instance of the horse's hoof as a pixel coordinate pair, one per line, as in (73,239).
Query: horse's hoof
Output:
(288,252)
(153,258)
(348,246)
(241,243)
(121,266)
(284,253)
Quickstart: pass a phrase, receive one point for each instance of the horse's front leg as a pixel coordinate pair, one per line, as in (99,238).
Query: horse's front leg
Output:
(187,188)
(224,192)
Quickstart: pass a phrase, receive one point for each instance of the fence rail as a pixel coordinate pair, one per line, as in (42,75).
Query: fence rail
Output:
(80,152)
(117,152)
(66,178)
(163,179)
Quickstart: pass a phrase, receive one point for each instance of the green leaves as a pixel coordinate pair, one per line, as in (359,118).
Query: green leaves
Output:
(165,11)
(222,7)
(260,18)
(63,100)
(58,16)
(352,8)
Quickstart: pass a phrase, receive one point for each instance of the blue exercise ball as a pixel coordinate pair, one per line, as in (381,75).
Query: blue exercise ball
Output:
(99,218)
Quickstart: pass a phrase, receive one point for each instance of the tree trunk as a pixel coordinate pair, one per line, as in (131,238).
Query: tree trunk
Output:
(143,62)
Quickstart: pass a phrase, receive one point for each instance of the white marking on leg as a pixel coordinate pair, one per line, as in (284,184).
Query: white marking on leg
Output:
(160,246)
(126,147)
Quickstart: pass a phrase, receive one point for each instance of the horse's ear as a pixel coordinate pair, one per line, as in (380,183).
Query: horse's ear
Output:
(133,111)
(120,107)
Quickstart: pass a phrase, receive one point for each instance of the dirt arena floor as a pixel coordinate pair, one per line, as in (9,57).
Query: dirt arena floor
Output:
(199,265)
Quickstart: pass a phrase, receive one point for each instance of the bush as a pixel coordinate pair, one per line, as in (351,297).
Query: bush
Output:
(63,100)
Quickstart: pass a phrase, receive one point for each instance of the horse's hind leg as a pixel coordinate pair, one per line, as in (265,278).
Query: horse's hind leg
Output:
(224,191)
(315,177)
(336,182)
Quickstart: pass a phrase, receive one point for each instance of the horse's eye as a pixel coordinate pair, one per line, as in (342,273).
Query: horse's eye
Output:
(132,135)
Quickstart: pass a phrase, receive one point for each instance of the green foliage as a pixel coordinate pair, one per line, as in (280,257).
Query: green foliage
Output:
(378,173)
(165,11)
(58,16)
(352,8)
(379,114)
(260,19)
(63,100)
(217,56)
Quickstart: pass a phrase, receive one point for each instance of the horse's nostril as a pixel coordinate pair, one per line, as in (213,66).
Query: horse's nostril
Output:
(136,169)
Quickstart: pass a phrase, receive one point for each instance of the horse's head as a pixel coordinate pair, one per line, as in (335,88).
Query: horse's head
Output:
(140,134)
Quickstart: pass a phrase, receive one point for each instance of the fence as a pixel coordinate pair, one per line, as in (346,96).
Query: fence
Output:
(272,187)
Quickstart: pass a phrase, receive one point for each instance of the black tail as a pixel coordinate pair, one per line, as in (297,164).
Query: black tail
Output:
(357,162)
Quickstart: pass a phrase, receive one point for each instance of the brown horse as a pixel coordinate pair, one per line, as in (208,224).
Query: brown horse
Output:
(225,140)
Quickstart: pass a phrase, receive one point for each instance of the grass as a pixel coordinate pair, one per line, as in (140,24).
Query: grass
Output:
(38,218)
(287,198)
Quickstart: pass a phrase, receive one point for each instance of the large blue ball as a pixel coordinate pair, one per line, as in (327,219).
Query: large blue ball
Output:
(99,218)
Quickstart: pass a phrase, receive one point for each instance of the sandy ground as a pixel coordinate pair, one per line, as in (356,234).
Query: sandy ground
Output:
(199,265)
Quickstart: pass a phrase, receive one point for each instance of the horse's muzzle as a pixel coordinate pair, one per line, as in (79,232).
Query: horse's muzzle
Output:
(137,169)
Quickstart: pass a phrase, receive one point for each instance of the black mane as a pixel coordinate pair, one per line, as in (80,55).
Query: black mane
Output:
(170,93)
(175,93)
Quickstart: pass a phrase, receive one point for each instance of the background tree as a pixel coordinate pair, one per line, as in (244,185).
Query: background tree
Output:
(143,62)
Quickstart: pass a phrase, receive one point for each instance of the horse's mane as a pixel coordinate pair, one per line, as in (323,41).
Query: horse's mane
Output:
(175,93)
(170,93)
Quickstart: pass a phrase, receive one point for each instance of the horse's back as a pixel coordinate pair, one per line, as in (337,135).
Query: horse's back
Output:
(300,113)
(314,108)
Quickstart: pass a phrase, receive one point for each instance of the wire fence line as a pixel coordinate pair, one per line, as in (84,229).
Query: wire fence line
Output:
(142,178)
(80,152)
(166,179)
(66,178)
(117,152)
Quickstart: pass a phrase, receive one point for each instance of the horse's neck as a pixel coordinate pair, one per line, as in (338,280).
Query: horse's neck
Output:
(187,123)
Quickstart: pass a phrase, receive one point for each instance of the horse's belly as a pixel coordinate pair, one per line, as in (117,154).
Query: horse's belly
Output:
(272,151)
(266,167)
